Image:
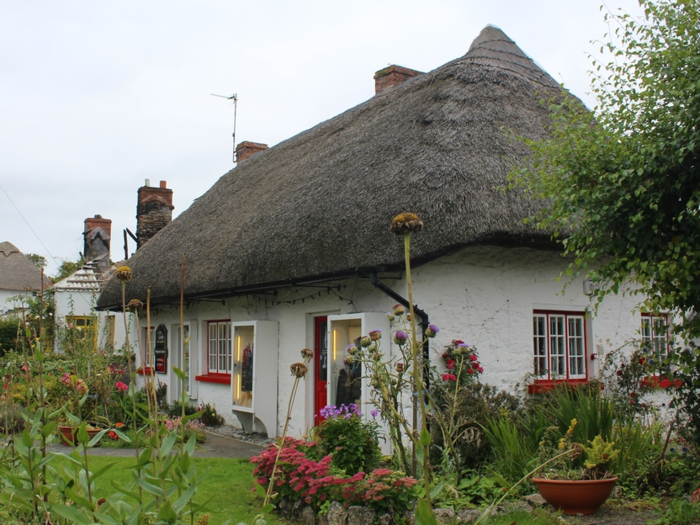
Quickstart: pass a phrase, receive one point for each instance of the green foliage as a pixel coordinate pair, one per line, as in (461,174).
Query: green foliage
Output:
(175,409)
(622,185)
(209,415)
(10,331)
(352,442)
(37,260)
(680,512)
(513,452)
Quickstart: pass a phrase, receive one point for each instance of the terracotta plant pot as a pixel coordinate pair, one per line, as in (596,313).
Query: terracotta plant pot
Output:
(575,497)
(69,433)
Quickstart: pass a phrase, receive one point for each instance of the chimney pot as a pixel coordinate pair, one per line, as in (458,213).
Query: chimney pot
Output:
(246,149)
(147,183)
(154,211)
(96,246)
(392,76)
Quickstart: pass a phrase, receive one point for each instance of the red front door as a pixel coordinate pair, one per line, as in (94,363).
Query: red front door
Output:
(321,366)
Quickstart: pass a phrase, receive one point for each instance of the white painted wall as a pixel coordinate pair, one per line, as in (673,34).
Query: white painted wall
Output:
(482,295)
(82,303)
(5,304)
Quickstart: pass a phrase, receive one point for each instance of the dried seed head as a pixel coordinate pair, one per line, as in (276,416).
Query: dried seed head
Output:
(134,305)
(124,274)
(306,353)
(299,370)
(406,223)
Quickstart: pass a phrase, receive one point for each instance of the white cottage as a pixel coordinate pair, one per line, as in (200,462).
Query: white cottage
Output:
(18,276)
(292,249)
(75,297)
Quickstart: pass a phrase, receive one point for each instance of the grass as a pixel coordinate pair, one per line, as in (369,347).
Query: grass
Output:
(229,483)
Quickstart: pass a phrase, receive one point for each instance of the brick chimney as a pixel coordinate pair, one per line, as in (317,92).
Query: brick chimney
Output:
(154,211)
(392,76)
(97,235)
(246,149)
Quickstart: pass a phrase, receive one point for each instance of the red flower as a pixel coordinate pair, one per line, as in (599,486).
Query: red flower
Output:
(641,360)
(481,369)
(119,425)
(473,357)
(449,377)
(113,434)
(122,387)
(458,342)
(470,371)
(450,363)
(445,355)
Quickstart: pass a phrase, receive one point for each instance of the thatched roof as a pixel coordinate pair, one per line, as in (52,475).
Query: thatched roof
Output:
(319,205)
(18,273)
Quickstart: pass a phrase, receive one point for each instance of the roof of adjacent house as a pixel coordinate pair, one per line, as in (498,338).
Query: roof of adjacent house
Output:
(83,280)
(17,272)
(319,204)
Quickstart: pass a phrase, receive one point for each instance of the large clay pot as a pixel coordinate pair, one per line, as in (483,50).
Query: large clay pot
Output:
(69,434)
(575,497)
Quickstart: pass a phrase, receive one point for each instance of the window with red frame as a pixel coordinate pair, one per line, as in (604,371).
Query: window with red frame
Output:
(220,357)
(655,334)
(559,341)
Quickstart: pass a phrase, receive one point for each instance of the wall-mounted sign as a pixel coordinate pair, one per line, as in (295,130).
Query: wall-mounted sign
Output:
(161,350)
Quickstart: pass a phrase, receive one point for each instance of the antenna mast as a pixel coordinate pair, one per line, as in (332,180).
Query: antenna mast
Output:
(233,97)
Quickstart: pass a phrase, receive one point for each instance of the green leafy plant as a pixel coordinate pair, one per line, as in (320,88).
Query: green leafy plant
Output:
(352,442)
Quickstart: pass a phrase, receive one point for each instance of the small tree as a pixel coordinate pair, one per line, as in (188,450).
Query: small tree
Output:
(623,182)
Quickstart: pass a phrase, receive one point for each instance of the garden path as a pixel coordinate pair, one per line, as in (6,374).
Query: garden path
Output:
(216,446)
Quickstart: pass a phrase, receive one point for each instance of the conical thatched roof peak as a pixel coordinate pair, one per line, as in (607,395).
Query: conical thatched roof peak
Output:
(17,273)
(493,48)
(318,205)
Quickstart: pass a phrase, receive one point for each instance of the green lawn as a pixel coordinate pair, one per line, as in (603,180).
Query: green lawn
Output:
(229,482)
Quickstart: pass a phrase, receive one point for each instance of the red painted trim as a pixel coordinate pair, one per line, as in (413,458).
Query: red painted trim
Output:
(146,371)
(545,385)
(222,379)
(657,382)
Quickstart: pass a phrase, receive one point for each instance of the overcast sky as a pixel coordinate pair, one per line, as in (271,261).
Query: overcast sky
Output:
(97,96)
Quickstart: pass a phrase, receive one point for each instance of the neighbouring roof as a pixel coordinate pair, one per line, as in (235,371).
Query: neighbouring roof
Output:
(17,272)
(83,280)
(320,204)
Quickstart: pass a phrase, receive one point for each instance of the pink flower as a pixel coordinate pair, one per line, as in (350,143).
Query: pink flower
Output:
(449,377)
(122,387)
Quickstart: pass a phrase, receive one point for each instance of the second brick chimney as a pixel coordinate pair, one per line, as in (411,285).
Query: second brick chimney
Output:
(97,235)
(246,149)
(392,76)
(154,211)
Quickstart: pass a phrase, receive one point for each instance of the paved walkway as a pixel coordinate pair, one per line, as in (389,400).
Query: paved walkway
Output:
(215,447)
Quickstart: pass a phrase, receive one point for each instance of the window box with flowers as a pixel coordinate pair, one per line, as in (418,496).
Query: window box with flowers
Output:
(560,349)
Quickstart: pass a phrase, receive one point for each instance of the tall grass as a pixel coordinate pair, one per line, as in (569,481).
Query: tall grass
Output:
(513,451)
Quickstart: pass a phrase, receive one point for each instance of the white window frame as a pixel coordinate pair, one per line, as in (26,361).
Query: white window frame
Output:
(559,345)
(658,341)
(219,347)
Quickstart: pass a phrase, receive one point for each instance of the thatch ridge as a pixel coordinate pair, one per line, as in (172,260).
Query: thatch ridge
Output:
(320,203)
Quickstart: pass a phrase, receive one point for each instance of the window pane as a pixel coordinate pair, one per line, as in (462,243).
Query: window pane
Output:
(557,346)
(539,330)
(222,347)
(576,348)
(660,342)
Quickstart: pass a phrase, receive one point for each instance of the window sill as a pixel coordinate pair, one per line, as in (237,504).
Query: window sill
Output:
(221,379)
(655,381)
(541,386)
(146,371)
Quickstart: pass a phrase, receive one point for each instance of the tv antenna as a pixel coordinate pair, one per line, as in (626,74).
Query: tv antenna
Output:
(233,97)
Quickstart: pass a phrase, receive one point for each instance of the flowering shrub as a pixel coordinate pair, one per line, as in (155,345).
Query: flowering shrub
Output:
(353,443)
(462,363)
(316,482)
(209,415)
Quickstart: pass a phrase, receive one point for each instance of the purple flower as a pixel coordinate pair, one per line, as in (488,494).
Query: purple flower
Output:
(400,337)
(374,413)
(432,330)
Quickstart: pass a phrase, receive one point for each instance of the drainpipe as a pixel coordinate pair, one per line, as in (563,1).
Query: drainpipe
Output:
(424,318)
